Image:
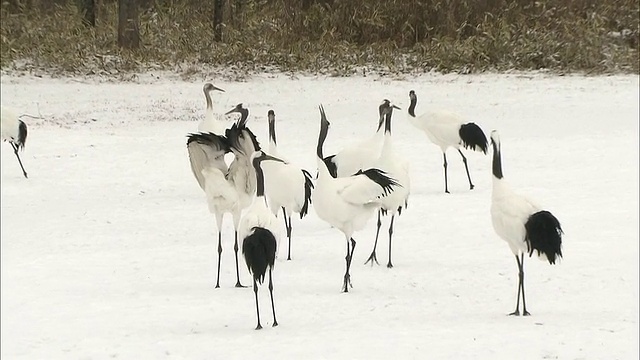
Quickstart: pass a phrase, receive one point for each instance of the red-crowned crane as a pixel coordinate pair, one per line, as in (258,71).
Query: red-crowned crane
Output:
(14,131)
(210,123)
(287,186)
(228,189)
(396,167)
(446,129)
(523,224)
(260,235)
(347,203)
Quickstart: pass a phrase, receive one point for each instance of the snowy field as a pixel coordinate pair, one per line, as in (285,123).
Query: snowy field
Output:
(109,251)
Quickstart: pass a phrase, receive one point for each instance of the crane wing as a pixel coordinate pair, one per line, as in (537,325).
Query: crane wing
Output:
(221,195)
(365,186)
(206,150)
(509,213)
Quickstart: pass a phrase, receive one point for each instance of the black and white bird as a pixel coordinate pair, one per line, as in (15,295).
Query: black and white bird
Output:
(357,155)
(14,131)
(396,167)
(347,203)
(447,129)
(210,123)
(229,189)
(259,233)
(288,187)
(522,223)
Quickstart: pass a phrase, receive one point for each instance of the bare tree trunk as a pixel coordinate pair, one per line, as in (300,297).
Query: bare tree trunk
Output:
(89,12)
(239,12)
(218,6)
(128,30)
(146,4)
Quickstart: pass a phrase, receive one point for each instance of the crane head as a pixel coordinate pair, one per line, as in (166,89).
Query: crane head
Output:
(238,108)
(385,109)
(258,156)
(242,140)
(323,117)
(244,114)
(495,138)
(208,87)
(412,95)
(271,115)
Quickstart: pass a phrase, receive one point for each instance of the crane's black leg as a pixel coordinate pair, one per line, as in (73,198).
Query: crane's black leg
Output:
(347,276)
(520,277)
(255,291)
(345,286)
(373,256)
(464,160)
(446,187)
(273,307)
(287,225)
(235,248)
(389,264)
(219,256)
(15,151)
(524,304)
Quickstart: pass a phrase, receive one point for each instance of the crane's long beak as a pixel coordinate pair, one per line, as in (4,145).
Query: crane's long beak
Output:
(217,88)
(269,157)
(231,111)
(395,107)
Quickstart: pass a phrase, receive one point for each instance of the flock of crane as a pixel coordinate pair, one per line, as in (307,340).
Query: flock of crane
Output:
(254,185)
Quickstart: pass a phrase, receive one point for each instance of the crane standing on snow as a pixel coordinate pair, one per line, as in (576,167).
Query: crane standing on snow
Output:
(397,168)
(14,131)
(521,223)
(287,186)
(260,235)
(347,203)
(447,129)
(229,189)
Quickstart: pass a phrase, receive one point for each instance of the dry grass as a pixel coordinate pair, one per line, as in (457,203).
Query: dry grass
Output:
(336,37)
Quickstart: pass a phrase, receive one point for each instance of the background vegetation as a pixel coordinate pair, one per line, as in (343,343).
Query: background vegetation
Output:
(329,36)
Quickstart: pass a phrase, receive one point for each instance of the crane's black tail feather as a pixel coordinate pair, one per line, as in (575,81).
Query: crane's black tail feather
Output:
(22,135)
(544,235)
(473,137)
(308,185)
(259,250)
(380,177)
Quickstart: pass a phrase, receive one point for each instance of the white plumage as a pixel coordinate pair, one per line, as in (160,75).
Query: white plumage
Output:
(287,186)
(347,203)
(396,167)
(522,223)
(446,129)
(358,155)
(258,213)
(210,123)
(14,131)
(228,189)
(260,235)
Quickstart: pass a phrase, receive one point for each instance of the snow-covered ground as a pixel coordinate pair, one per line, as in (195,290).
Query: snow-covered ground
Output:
(109,251)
